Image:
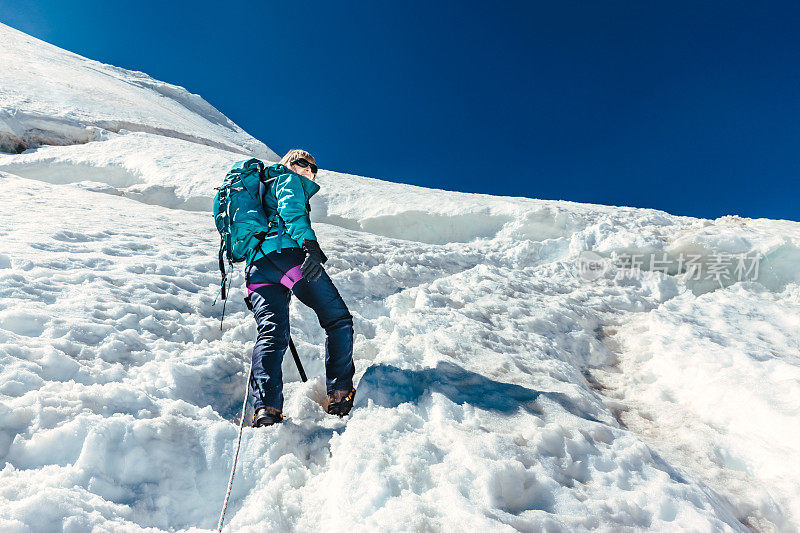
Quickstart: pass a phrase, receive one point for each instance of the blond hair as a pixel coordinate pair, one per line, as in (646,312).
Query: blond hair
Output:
(295,154)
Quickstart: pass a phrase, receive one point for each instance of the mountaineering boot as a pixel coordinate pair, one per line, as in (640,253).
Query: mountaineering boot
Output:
(340,402)
(266,416)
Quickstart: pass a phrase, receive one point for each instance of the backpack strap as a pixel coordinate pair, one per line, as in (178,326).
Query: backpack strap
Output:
(224,243)
(280,232)
(267,181)
(223,294)
(261,238)
(262,190)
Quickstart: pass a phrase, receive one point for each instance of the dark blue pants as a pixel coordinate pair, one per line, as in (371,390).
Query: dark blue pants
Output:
(272,279)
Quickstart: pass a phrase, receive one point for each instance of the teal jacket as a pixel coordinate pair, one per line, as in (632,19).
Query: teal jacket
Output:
(286,202)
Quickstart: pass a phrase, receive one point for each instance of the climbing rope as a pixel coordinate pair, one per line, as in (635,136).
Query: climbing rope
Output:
(236,456)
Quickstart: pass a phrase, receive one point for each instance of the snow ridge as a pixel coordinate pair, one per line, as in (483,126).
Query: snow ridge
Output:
(51,96)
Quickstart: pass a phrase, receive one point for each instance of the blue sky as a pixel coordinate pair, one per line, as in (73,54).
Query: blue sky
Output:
(689,107)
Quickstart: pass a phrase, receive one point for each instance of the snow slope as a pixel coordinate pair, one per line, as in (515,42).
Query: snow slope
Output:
(498,388)
(51,96)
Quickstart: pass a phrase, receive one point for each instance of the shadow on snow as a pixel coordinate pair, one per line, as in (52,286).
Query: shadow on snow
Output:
(390,386)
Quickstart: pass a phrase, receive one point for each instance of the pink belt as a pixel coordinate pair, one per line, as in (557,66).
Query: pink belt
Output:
(288,280)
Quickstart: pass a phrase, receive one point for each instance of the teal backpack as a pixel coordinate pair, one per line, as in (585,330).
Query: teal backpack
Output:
(239,215)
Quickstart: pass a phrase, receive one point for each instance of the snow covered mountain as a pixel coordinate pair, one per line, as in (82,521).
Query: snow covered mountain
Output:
(51,96)
(521,364)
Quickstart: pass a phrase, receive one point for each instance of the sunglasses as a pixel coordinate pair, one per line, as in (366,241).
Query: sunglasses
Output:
(303,164)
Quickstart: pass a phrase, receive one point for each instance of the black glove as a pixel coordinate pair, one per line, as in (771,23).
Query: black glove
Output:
(312,266)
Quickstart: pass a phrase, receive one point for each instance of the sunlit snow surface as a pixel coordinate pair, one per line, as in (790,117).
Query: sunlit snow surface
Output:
(498,390)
